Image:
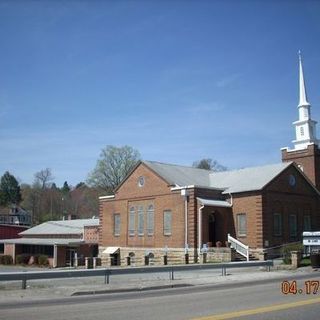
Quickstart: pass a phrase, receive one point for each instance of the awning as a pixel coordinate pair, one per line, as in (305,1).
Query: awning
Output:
(111,250)
(214,203)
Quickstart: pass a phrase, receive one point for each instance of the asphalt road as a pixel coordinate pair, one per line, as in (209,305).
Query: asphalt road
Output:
(263,300)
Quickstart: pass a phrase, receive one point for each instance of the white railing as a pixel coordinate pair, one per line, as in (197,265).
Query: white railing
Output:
(239,247)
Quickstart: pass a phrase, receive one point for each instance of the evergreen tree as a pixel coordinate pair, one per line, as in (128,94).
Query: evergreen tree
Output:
(10,193)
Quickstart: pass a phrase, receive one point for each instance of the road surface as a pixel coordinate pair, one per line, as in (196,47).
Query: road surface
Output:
(262,300)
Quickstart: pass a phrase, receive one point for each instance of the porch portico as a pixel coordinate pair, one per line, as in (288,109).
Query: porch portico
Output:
(214,218)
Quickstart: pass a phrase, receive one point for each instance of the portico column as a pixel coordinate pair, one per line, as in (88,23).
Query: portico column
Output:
(199,229)
(55,256)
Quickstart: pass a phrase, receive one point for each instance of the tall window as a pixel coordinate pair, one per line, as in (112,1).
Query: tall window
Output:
(242,224)
(117,224)
(277,224)
(140,221)
(167,223)
(307,223)
(150,220)
(132,225)
(293,225)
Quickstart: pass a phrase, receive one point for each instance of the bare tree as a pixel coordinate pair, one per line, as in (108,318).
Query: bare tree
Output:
(43,178)
(209,164)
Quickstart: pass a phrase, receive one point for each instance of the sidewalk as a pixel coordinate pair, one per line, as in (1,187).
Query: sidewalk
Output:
(60,288)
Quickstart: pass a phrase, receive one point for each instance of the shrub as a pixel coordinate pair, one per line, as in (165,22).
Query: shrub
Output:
(5,259)
(43,260)
(22,258)
(286,251)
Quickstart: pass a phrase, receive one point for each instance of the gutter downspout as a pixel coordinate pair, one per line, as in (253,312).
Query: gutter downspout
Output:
(184,193)
(231,199)
(200,229)
(186,222)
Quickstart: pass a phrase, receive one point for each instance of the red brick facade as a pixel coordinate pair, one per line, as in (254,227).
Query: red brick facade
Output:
(278,198)
(308,160)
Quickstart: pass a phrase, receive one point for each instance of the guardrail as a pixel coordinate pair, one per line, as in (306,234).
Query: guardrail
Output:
(108,272)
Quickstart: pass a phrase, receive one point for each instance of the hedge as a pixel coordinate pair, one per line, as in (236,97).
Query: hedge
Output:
(22,258)
(43,260)
(5,259)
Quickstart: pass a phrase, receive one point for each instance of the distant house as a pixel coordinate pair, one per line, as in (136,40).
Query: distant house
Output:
(13,221)
(61,241)
(15,216)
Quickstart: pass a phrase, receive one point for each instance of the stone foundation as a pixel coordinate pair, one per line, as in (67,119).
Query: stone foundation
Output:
(157,256)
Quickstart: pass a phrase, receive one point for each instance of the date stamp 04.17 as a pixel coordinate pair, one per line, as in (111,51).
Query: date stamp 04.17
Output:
(308,287)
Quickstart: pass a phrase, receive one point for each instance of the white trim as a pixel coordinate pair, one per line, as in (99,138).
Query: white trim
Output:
(214,203)
(107,197)
(196,186)
(181,188)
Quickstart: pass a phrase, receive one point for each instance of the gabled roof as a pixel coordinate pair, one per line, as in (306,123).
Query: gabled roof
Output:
(248,179)
(180,175)
(234,181)
(70,227)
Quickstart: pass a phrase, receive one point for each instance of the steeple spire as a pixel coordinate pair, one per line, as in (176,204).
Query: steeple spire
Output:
(303,101)
(305,127)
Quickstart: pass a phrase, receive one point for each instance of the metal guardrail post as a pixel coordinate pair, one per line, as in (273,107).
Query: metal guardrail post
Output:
(171,274)
(24,283)
(107,277)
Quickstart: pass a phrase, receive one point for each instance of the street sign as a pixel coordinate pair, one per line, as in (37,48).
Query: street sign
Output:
(311,238)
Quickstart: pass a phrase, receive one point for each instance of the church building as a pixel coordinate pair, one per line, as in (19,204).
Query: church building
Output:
(166,213)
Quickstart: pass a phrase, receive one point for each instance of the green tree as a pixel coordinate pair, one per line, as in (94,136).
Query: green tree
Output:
(112,167)
(209,164)
(65,188)
(10,192)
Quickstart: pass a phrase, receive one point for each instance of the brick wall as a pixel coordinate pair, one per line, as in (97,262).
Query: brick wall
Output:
(280,197)
(155,191)
(309,159)
(91,234)
(251,205)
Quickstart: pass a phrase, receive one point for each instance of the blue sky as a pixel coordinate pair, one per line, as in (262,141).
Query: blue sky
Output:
(178,80)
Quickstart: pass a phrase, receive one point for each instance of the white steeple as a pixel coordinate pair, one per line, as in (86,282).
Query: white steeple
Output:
(303,101)
(305,126)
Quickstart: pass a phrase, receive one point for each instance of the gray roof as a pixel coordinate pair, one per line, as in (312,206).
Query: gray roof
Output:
(248,179)
(61,227)
(180,175)
(43,242)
